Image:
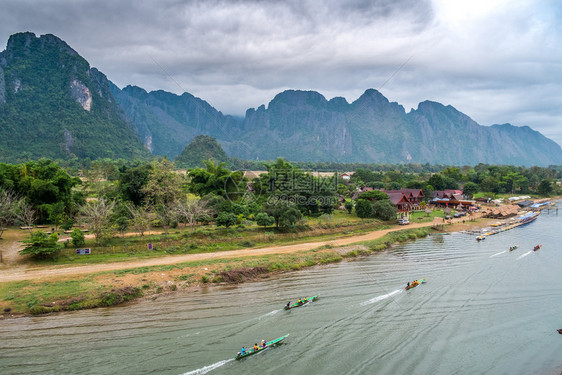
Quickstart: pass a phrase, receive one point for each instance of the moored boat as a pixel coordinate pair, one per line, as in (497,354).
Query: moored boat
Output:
(415,283)
(301,302)
(248,353)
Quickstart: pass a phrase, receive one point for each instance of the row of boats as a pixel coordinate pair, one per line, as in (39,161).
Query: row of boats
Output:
(521,220)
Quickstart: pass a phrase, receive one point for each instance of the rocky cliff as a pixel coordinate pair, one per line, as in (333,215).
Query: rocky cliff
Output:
(52,104)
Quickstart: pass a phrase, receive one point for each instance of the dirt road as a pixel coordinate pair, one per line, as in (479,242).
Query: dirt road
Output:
(30,273)
(15,274)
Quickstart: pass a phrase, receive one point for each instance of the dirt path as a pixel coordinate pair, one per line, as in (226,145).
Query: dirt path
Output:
(28,273)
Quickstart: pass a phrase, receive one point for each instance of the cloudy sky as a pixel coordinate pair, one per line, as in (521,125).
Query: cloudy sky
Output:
(497,61)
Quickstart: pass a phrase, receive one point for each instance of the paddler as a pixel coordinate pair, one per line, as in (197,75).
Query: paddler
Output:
(407,286)
(288,305)
(256,347)
(300,302)
(262,344)
(243,351)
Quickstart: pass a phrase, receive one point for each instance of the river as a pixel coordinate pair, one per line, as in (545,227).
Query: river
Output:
(483,310)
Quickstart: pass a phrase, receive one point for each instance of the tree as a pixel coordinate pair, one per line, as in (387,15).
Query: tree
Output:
(42,245)
(384,210)
(470,188)
(289,217)
(264,220)
(164,184)
(364,208)
(141,218)
(545,187)
(9,201)
(56,213)
(132,183)
(25,213)
(98,214)
(437,181)
(278,209)
(226,219)
(218,180)
(348,206)
(373,195)
(192,210)
(78,238)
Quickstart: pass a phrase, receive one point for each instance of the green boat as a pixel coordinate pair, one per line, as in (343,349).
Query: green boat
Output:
(302,303)
(415,283)
(267,345)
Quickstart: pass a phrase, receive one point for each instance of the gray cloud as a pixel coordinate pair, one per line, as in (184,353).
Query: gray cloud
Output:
(495,61)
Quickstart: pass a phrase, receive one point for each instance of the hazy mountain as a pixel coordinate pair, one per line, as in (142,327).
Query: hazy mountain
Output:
(53,104)
(304,125)
(167,122)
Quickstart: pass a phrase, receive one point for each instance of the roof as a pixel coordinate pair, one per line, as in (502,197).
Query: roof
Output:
(396,198)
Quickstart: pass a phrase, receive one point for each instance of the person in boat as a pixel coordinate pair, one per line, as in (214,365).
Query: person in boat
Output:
(256,347)
(288,305)
(262,344)
(300,301)
(407,286)
(243,351)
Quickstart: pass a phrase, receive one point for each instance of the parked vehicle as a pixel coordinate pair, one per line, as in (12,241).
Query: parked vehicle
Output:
(403,221)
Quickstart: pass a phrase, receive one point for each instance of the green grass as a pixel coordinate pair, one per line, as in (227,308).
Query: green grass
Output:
(131,248)
(27,295)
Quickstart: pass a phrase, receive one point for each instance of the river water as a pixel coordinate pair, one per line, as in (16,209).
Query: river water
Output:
(483,310)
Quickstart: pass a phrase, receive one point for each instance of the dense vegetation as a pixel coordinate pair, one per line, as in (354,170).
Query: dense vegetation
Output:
(202,147)
(138,196)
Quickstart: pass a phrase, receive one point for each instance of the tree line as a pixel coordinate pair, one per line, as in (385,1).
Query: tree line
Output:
(116,196)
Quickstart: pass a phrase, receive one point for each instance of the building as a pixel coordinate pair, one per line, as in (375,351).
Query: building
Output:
(400,201)
(451,198)
(415,196)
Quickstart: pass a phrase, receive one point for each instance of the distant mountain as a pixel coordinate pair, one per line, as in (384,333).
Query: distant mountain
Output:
(167,122)
(303,126)
(52,104)
(202,147)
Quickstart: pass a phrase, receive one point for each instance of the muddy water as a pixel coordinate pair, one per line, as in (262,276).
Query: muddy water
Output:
(483,310)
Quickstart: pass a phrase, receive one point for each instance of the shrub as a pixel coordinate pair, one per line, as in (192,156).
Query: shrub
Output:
(78,238)
(42,245)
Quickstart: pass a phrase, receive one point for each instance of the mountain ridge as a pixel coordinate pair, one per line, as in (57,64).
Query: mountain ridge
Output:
(68,109)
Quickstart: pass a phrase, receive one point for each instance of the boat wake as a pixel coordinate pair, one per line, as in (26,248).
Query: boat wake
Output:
(501,252)
(524,255)
(380,298)
(206,369)
(269,314)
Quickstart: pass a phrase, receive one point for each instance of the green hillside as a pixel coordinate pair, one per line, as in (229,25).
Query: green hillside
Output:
(56,106)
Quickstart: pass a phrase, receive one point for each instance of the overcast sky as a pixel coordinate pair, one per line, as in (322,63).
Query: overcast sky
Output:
(496,61)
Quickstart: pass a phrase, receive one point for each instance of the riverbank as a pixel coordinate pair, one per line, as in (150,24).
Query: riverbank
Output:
(49,290)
